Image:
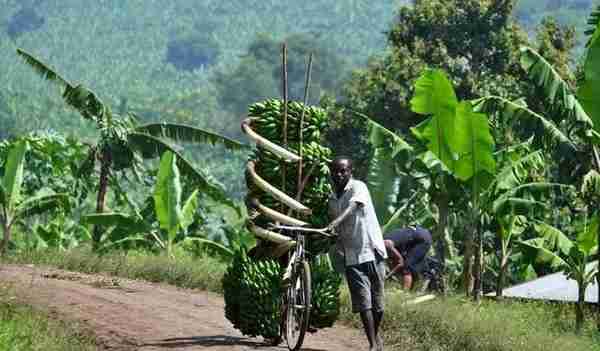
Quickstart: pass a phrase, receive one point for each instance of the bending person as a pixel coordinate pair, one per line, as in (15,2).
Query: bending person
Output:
(407,249)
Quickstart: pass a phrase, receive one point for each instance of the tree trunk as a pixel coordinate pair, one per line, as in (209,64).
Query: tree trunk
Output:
(468,264)
(501,275)
(598,285)
(105,162)
(5,239)
(478,264)
(443,245)
(579,307)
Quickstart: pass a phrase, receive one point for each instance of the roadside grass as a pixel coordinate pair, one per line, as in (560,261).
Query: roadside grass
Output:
(184,270)
(444,324)
(455,323)
(24,329)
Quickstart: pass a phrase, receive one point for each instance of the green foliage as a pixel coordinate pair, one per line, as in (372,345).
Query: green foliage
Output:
(589,90)
(172,216)
(13,205)
(259,75)
(23,328)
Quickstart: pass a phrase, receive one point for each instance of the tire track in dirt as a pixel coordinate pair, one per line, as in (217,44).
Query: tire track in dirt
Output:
(135,315)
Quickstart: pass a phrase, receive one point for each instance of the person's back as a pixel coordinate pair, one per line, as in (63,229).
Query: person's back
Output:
(407,248)
(405,239)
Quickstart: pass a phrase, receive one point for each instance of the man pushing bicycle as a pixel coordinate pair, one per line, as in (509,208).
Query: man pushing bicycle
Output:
(360,241)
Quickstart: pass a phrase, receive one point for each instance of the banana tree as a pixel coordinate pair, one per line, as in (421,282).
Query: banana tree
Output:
(404,180)
(460,138)
(123,143)
(578,109)
(13,207)
(167,225)
(555,249)
(511,200)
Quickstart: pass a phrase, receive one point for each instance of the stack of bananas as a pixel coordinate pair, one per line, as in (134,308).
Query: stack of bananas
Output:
(267,121)
(253,295)
(249,282)
(325,298)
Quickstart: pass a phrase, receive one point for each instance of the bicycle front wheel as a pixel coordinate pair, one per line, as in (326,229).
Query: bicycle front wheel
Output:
(298,309)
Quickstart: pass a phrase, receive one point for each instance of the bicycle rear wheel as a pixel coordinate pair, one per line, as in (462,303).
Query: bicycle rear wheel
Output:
(298,309)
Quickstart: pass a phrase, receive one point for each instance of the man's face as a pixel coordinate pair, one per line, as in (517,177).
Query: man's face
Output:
(340,174)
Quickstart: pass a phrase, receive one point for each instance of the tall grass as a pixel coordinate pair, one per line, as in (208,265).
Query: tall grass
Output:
(200,272)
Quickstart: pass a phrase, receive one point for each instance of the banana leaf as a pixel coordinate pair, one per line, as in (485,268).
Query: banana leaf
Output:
(184,133)
(556,91)
(589,92)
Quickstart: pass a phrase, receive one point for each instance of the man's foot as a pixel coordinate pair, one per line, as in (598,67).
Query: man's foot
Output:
(379,344)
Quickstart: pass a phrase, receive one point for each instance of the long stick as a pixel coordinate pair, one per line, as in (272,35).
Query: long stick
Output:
(306,88)
(285,111)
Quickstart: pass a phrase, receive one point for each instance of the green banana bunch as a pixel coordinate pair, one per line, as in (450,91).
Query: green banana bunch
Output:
(325,293)
(252,291)
(268,122)
(252,288)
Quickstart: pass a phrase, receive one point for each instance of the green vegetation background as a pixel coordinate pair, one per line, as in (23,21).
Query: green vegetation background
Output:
(120,50)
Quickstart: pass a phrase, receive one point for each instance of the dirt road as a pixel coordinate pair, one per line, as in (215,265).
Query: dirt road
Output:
(134,315)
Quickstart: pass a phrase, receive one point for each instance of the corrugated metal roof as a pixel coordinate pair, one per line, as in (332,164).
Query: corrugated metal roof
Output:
(552,287)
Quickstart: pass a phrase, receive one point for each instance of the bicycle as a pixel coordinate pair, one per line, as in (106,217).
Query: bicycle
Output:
(296,304)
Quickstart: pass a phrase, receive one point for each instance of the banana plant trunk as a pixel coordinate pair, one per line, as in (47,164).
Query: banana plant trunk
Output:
(6,239)
(598,284)
(468,263)
(579,307)
(443,245)
(105,162)
(478,264)
(501,274)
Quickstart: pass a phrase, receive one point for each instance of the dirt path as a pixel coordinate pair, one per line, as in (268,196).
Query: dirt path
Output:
(134,315)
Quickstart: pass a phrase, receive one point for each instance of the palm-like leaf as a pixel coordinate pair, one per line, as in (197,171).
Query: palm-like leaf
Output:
(589,89)
(40,204)
(110,219)
(13,175)
(512,174)
(518,110)
(434,96)
(212,244)
(151,147)
(379,136)
(184,133)
(383,183)
(473,142)
(509,200)
(42,69)
(167,195)
(556,91)
(77,96)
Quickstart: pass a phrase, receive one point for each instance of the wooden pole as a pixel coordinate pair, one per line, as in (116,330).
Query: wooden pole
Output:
(285,110)
(301,136)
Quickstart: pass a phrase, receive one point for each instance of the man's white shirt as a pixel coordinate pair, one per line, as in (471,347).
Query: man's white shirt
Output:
(360,235)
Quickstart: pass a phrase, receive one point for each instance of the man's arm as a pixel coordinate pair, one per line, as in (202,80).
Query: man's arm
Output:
(348,211)
(395,257)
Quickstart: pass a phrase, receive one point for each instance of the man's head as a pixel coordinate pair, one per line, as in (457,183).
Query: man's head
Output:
(341,171)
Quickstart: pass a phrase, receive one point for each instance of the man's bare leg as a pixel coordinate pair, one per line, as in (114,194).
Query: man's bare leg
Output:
(369,326)
(377,317)
(407,281)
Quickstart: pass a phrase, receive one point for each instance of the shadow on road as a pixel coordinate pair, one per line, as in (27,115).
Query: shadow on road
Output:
(215,340)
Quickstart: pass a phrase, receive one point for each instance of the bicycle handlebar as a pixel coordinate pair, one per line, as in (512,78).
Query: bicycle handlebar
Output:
(322,231)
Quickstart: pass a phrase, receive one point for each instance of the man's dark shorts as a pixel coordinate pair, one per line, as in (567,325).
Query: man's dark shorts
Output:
(365,282)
